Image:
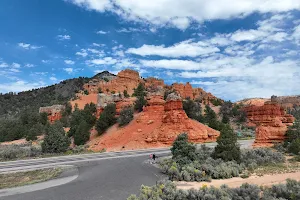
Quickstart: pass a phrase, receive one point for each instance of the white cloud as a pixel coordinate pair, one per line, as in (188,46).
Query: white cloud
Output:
(52,78)
(102,32)
(82,53)
(46,61)
(248,35)
(29,65)
(172,64)
(102,61)
(15,65)
(130,29)
(181,23)
(28,46)
(63,37)
(296,34)
(3,65)
(20,85)
(69,70)
(69,62)
(185,48)
(162,12)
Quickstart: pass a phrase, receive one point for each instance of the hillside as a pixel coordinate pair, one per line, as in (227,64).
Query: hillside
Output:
(11,103)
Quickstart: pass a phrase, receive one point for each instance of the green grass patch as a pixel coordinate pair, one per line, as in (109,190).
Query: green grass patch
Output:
(29,177)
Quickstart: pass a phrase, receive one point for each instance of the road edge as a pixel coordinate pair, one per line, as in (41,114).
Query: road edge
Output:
(70,173)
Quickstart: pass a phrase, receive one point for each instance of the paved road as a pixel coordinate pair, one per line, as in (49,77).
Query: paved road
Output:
(105,176)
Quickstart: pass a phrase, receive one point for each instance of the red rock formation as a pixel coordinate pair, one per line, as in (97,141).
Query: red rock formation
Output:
(271,123)
(124,103)
(54,112)
(151,81)
(158,125)
(125,80)
(186,91)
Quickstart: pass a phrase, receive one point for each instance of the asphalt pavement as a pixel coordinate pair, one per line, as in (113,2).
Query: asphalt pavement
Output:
(105,176)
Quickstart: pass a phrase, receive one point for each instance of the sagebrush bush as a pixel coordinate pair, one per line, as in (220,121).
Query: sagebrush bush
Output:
(126,116)
(11,152)
(166,190)
(261,156)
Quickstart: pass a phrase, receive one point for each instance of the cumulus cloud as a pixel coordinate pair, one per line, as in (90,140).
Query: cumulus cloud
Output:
(69,62)
(28,46)
(185,48)
(20,85)
(179,13)
(102,32)
(102,61)
(69,70)
(63,37)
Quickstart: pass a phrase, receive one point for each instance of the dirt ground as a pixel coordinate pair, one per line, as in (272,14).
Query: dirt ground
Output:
(266,180)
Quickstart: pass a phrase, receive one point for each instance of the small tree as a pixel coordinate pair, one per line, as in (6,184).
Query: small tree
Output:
(227,148)
(193,110)
(55,140)
(139,91)
(210,114)
(86,92)
(126,95)
(183,152)
(100,90)
(106,119)
(126,115)
(140,103)
(82,133)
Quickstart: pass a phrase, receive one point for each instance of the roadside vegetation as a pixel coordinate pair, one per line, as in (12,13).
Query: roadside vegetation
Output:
(226,160)
(9,180)
(166,190)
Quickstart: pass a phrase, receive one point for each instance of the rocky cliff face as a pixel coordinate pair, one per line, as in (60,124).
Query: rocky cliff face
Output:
(187,90)
(158,125)
(125,80)
(54,112)
(271,123)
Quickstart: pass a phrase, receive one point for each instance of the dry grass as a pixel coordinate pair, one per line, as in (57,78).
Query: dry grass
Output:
(29,177)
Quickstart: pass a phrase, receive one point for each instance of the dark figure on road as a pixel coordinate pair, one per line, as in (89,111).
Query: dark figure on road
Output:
(153,156)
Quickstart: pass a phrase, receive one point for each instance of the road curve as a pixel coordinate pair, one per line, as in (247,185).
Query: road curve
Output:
(102,176)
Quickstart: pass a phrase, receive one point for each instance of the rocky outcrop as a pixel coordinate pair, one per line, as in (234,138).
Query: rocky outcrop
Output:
(125,80)
(158,125)
(271,123)
(287,102)
(184,91)
(54,112)
(187,90)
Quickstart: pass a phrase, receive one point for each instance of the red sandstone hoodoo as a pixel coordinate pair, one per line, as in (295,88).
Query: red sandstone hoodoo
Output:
(271,123)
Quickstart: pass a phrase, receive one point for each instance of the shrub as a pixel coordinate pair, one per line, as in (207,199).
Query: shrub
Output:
(100,90)
(126,115)
(10,152)
(294,147)
(86,92)
(193,110)
(106,119)
(140,103)
(227,147)
(82,134)
(261,156)
(183,152)
(126,95)
(55,140)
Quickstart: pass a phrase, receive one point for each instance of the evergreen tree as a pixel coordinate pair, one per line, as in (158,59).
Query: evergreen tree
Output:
(193,110)
(82,134)
(140,103)
(55,140)
(126,95)
(107,118)
(227,148)
(126,115)
(139,91)
(210,115)
(183,152)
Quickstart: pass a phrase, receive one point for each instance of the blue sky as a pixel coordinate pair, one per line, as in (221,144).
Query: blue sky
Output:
(233,48)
